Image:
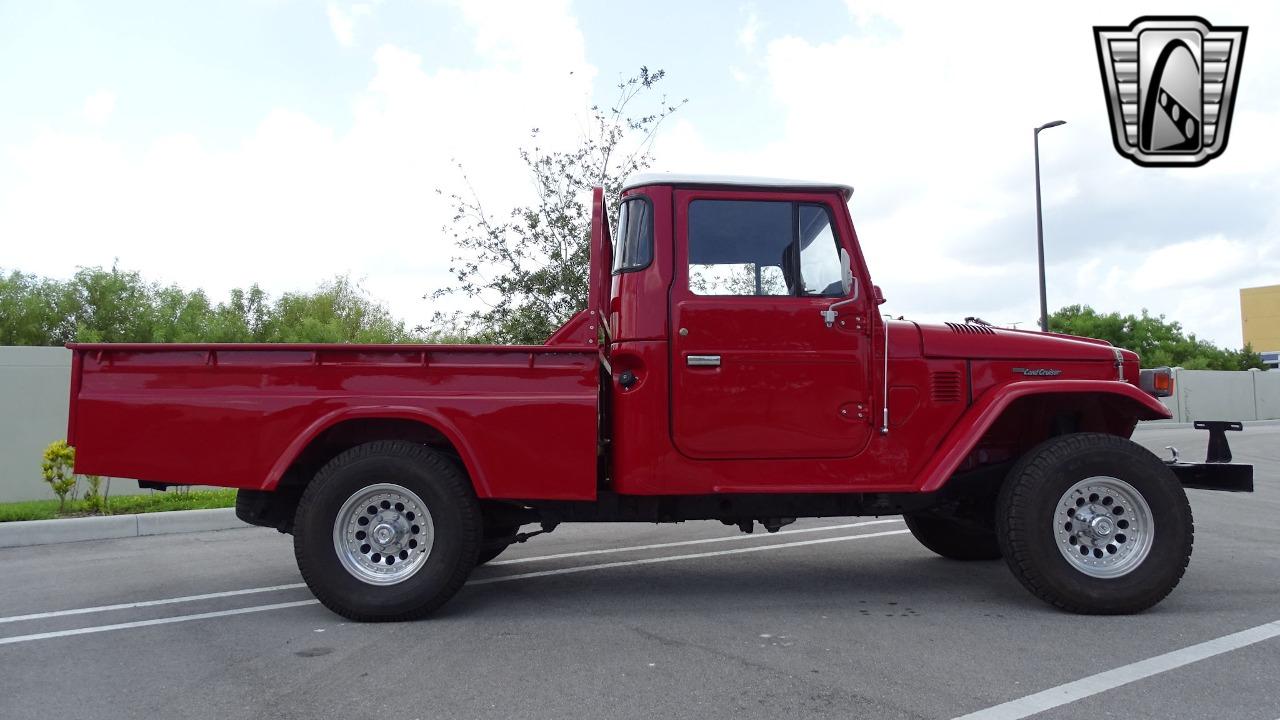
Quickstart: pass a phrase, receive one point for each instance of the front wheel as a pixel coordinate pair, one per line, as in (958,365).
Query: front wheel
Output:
(388,530)
(1095,524)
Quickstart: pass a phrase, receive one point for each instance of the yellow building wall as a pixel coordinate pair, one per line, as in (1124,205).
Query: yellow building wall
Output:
(1260,317)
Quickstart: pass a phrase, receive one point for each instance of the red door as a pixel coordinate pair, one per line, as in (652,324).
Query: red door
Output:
(756,371)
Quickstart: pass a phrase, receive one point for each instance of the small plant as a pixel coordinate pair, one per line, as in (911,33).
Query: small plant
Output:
(59,458)
(96,494)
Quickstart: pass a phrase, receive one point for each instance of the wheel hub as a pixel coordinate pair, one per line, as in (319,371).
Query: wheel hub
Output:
(1104,527)
(1100,526)
(384,534)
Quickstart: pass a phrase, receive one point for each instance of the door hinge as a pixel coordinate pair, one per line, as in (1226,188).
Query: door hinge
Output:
(860,325)
(858,412)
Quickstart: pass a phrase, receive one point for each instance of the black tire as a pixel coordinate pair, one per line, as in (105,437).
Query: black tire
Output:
(496,541)
(1027,517)
(953,538)
(449,498)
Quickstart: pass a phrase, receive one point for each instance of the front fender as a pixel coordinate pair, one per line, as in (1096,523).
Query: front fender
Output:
(971,426)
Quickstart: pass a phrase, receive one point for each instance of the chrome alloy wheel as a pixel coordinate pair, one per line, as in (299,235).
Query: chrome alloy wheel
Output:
(1103,527)
(383,534)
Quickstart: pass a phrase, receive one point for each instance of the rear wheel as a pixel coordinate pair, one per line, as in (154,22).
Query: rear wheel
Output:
(952,537)
(388,530)
(1096,524)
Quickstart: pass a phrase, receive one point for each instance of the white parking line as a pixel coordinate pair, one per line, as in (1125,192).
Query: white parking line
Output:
(658,546)
(1111,679)
(149,603)
(651,561)
(485,581)
(157,621)
(295,586)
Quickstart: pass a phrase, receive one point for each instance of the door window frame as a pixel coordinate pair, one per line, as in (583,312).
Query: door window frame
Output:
(843,237)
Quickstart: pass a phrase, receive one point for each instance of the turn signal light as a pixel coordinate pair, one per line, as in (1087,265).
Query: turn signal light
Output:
(1157,381)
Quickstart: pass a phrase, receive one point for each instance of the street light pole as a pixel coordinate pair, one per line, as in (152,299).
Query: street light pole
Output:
(1044,303)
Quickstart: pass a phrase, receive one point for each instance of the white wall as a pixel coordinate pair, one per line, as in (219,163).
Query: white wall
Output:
(35,386)
(1224,395)
(1267,394)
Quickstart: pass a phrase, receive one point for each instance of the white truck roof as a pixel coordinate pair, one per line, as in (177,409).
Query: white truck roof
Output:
(662,178)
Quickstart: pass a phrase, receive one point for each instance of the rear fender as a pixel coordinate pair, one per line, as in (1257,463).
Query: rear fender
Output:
(387,412)
(980,416)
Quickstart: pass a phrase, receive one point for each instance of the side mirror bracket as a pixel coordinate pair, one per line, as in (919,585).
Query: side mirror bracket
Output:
(849,283)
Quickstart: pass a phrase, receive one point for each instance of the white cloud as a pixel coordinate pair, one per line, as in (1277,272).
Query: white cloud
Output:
(927,109)
(750,30)
(297,201)
(343,22)
(99,106)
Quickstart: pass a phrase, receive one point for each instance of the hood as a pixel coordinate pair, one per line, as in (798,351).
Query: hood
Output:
(959,340)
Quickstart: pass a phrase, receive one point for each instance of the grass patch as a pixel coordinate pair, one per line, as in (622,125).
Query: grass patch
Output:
(122,505)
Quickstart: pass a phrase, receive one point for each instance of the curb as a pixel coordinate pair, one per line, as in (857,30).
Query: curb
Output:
(48,532)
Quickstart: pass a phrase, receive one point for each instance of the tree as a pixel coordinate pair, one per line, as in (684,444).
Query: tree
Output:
(1156,340)
(34,311)
(529,266)
(115,305)
(338,312)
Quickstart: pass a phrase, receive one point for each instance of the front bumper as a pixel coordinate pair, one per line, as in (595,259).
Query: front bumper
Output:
(1217,472)
(1228,477)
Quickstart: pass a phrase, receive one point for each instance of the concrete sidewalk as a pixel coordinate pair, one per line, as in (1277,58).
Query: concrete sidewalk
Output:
(45,532)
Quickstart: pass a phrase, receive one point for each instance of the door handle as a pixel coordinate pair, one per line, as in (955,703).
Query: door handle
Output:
(703,361)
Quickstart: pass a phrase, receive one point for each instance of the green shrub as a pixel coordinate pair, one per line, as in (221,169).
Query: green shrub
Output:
(59,459)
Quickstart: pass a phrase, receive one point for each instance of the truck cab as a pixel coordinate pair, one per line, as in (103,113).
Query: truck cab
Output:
(731,363)
(748,355)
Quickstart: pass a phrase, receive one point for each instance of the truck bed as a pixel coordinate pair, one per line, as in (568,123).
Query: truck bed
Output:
(523,419)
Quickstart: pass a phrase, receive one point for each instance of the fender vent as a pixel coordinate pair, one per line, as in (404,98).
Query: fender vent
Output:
(947,387)
(967,329)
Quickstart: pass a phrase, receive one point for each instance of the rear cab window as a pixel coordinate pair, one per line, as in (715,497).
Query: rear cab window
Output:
(633,241)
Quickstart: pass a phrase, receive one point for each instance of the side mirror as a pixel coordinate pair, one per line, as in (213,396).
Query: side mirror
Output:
(846,272)
(877,295)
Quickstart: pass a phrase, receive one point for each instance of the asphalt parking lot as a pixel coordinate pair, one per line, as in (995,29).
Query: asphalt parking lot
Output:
(842,618)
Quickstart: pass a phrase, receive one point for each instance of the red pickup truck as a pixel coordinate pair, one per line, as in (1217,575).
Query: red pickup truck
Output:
(730,365)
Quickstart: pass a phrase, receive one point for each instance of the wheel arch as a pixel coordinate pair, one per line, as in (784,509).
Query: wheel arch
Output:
(343,429)
(1010,419)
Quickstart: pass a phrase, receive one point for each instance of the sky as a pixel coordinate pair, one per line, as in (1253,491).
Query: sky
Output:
(284,142)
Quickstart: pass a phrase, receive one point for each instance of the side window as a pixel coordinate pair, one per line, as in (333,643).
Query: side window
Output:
(633,241)
(740,247)
(819,252)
